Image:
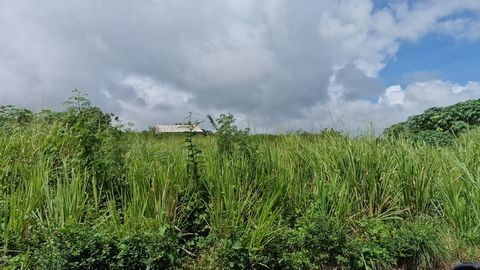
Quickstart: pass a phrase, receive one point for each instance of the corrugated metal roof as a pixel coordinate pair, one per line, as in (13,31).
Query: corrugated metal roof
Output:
(176,129)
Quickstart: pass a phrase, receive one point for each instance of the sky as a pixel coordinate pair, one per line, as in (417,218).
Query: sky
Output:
(277,65)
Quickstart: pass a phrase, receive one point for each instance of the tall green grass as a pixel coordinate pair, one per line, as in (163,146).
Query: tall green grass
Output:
(254,196)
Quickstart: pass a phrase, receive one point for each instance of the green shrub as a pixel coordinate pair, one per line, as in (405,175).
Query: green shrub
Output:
(418,245)
(147,249)
(325,240)
(74,247)
(228,136)
(10,116)
(233,254)
(81,137)
(320,242)
(435,137)
(439,126)
(316,242)
(371,245)
(95,139)
(394,244)
(80,247)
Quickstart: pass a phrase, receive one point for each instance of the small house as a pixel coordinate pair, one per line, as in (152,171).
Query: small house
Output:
(178,128)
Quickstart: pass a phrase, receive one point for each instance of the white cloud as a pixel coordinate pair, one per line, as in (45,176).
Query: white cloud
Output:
(394,105)
(294,62)
(461,28)
(156,94)
(393,95)
(154,101)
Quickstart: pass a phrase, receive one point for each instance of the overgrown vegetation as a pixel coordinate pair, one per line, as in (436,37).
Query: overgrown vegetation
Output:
(77,191)
(439,126)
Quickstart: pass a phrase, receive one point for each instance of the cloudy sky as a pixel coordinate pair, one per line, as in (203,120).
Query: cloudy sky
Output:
(275,64)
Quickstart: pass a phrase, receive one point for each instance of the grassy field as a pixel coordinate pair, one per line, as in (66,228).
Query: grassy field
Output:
(79,195)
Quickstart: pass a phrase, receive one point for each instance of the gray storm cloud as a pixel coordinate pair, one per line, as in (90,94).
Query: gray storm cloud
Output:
(274,61)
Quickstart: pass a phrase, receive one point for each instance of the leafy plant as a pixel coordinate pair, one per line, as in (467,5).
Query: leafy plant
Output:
(80,247)
(228,135)
(439,125)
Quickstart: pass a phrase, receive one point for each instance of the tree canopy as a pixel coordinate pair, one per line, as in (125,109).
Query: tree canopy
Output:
(439,125)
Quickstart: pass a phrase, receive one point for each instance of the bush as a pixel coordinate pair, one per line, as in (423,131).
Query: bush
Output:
(147,249)
(418,245)
(80,247)
(74,248)
(316,242)
(439,126)
(320,242)
(228,136)
(95,139)
(82,138)
(395,244)
(232,252)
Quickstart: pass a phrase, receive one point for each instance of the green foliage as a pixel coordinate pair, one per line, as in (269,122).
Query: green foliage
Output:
(321,242)
(231,252)
(10,116)
(392,244)
(195,201)
(435,137)
(79,192)
(74,248)
(417,244)
(228,135)
(316,242)
(82,134)
(80,247)
(194,161)
(147,249)
(233,141)
(234,254)
(439,125)
(97,141)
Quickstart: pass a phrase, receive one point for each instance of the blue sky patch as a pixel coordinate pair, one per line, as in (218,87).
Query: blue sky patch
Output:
(453,60)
